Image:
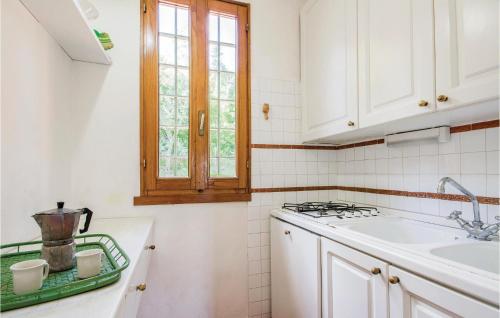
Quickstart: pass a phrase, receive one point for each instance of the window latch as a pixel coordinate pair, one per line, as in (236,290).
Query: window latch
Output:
(201,120)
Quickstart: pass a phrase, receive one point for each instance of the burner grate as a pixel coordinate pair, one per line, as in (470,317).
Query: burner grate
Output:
(314,206)
(324,209)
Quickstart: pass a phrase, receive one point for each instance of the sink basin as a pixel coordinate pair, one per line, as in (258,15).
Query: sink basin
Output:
(482,255)
(403,231)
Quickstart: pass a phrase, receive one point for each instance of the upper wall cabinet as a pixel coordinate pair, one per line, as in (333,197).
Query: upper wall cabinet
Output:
(328,66)
(370,66)
(396,59)
(467,57)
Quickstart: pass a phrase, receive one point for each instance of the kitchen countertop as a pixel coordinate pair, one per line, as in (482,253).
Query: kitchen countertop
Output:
(474,282)
(131,235)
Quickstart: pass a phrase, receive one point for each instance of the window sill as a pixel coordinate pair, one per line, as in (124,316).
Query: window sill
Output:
(192,198)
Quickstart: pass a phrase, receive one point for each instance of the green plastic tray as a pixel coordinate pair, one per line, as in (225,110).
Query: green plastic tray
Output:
(61,284)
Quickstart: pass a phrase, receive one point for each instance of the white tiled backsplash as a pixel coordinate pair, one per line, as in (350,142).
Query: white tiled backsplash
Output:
(276,168)
(284,123)
(470,157)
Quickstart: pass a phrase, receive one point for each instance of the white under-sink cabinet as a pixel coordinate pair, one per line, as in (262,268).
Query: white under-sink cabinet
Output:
(416,297)
(353,284)
(329,67)
(467,51)
(396,59)
(295,272)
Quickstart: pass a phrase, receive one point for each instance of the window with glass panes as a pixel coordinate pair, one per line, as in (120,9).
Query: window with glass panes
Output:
(173,58)
(195,102)
(222,88)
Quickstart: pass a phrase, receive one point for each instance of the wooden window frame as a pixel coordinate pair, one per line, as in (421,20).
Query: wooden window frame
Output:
(198,187)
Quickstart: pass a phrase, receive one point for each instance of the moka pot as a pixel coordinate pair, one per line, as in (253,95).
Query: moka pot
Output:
(58,228)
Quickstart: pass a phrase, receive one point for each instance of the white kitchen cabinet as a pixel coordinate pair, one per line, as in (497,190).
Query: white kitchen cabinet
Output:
(132,299)
(416,297)
(396,59)
(373,64)
(353,283)
(467,40)
(328,67)
(295,272)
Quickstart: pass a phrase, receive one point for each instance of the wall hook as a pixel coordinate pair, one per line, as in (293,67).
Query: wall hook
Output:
(265,110)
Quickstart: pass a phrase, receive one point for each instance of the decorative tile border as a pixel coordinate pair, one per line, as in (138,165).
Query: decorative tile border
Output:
(475,126)
(307,147)
(294,189)
(453,130)
(425,195)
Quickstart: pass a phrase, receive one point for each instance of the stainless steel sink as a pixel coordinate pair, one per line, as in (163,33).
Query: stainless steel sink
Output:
(482,255)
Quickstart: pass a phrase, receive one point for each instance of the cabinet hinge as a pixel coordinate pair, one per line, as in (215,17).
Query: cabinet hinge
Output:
(248,164)
(144,163)
(144,8)
(247,27)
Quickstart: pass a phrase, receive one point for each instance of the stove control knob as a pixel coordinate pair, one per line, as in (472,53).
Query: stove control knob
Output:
(374,212)
(357,214)
(366,213)
(348,215)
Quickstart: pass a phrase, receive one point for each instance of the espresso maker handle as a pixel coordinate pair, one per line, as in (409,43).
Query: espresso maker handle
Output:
(87,220)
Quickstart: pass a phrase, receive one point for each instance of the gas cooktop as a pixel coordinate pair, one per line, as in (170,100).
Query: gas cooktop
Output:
(331,209)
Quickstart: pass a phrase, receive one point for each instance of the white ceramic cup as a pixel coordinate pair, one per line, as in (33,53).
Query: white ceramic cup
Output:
(28,276)
(88,262)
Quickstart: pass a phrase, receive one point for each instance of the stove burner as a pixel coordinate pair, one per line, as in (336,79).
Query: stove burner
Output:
(314,206)
(324,209)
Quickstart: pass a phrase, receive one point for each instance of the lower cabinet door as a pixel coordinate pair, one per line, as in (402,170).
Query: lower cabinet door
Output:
(415,297)
(137,285)
(295,272)
(354,285)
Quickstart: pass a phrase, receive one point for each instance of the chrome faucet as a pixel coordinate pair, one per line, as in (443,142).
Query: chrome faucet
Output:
(476,229)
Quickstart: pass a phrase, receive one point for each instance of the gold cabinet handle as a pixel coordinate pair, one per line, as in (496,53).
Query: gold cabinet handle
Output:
(393,279)
(287,232)
(423,103)
(442,98)
(350,123)
(141,287)
(375,270)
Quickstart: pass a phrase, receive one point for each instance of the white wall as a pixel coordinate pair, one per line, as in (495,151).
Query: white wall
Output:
(34,122)
(275,39)
(200,268)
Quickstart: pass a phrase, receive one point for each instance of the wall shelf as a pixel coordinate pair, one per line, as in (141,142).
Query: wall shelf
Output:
(66,23)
